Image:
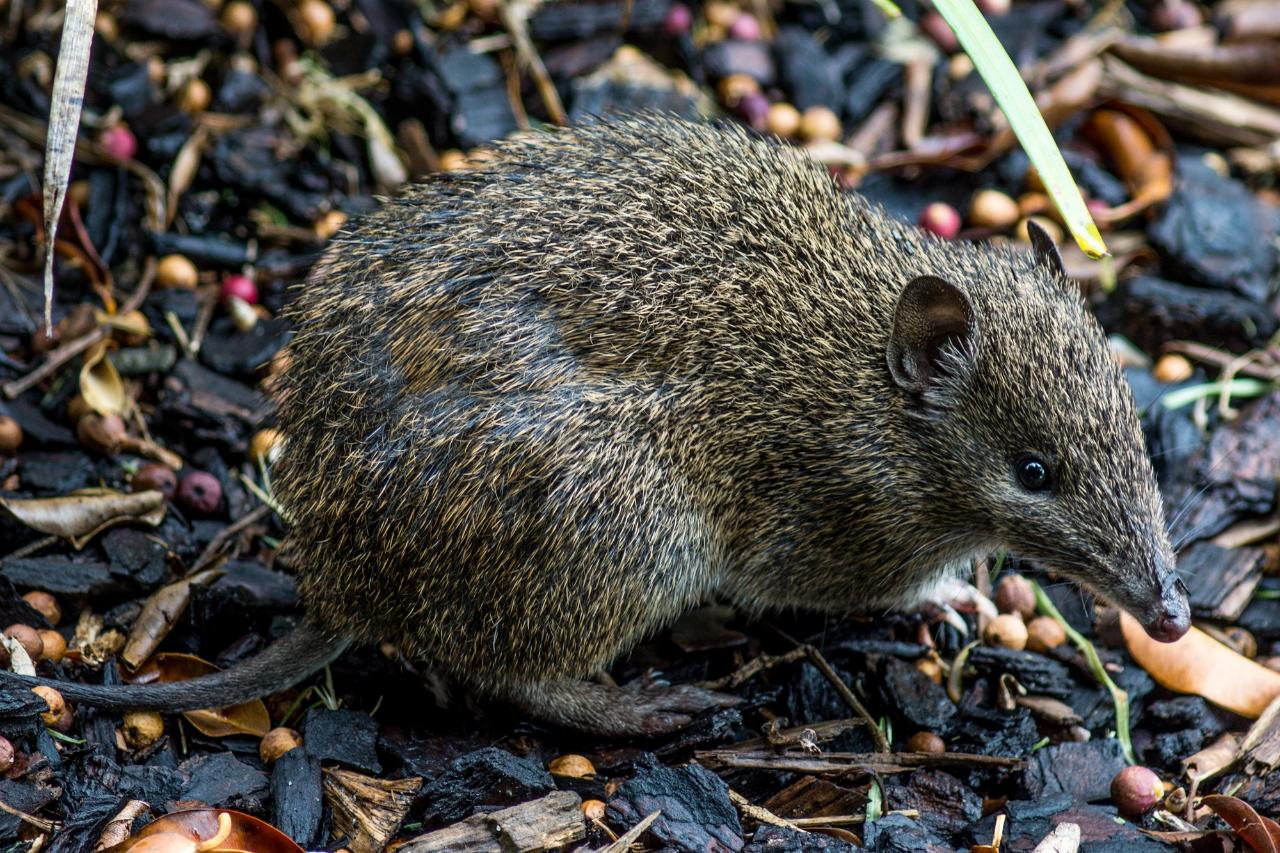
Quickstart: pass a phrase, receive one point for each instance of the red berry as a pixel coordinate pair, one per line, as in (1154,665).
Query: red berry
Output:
(678,21)
(119,142)
(941,219)
(158,477)
(240,286)
(745,27)
(1135,790)
(200,492)
(754,109)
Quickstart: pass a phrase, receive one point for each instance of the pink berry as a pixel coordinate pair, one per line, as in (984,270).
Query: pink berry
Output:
(678,21)
(200,493)
(1097,207)
(754,109)
(7,754)
(941,219)
(745,27)
(994,8)
(240,286)
(1135,790)
(937,28)
(158,477)
(119,142)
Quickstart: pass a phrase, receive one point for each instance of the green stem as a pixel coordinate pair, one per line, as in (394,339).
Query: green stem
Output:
(1118,697)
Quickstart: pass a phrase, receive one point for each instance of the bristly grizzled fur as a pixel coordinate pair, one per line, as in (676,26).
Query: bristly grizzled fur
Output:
(538,410)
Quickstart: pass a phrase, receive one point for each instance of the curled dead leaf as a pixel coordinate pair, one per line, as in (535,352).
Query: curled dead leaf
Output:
(132,323)
(80,516)
(159,614)
(247,718)
(1261,833)
(100,382)
(199,830)
(1199,664)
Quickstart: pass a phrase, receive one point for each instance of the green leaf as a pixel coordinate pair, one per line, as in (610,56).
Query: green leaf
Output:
(1001,76)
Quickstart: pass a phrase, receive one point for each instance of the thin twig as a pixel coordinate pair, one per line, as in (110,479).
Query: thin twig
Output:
(625,840)
(815,656)
(225,534)
(516,22)
(754,667)
(54,360)
(31,548)
(759,813)
(39,823)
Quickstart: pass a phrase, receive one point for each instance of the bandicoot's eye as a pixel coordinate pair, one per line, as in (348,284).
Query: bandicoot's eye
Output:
(1032,474)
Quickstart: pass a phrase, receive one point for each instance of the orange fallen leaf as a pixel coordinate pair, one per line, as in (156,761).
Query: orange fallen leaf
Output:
(211,830)
(1261,833)
(247,718)
(1200,664)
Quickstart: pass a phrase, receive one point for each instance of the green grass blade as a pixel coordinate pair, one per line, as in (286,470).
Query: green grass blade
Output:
(1001,76)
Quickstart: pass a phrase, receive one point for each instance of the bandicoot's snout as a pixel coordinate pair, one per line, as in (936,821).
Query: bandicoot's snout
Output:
(1171,616)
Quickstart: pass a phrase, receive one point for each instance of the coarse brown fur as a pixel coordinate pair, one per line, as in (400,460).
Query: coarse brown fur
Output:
(536,411)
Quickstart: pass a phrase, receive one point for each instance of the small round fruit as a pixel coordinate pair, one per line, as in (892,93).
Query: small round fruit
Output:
(993,209)
(29,638)
(10,434)
(1173,368)
(941,219)
(240,286)
(59,715)
(820,124)
(1044,633)
(745,27)
(44,604)
(994,8)
(176,271)
(119,142)
(1136,790)
(754,109)
(8,754)
(734,87)
(593,809)
(315,22)
(1007,631)
(240,18)
(937,28)
(101,433)
(142,728)
(155,477)
(926,742)
(263,445)
(576,766)
(1023,231)
(721,13)
(199,492)
(679,20)
(196,96)
(276,743)
(54,645)
(1014,595)
(783,120)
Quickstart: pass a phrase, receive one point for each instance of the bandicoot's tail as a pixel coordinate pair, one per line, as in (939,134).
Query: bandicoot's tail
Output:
(283,664)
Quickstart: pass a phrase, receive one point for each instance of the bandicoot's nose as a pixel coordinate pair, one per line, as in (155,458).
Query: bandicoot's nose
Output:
(1173,617)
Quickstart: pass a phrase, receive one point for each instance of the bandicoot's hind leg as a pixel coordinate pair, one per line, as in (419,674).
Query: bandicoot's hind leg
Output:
(615,711)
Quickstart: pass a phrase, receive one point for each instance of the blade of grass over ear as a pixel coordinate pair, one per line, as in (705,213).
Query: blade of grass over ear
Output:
(64,125)
(1001,76)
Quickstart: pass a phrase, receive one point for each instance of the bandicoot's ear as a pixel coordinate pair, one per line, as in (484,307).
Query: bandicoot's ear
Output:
(1044,249)
(931,313)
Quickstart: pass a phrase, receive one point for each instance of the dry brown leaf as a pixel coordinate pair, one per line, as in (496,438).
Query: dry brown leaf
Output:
(1200,664)
(195,830)
(247,718)
(159,614)
(1213,759)
(132,323)
(80,516)
(1262,834)
(100,383)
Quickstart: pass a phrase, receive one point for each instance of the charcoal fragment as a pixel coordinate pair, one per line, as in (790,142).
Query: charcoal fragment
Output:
(347,737)
(1037,673)
(1152,311)
(297,797)
(781,839)
(946,804)
(751,58)
(697,816)
(1213,231)
(912,697)
(481,781)
(897,833)
(221,779)
(1082,771)
(175,19)
(805,71)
